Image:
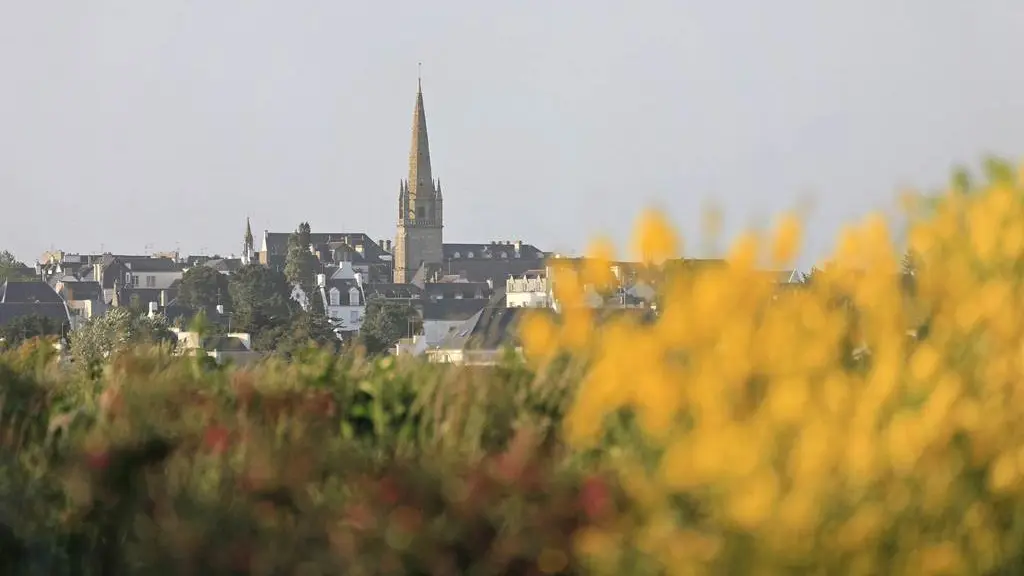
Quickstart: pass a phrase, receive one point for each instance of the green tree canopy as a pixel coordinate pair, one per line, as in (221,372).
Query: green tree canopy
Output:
(384,324)
(11,268)
(300,263)
(202,287)
(118,329)
(304,330)
(260,298)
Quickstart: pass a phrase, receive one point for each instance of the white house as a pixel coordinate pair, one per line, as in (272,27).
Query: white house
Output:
(343,298)
(529,290)
(157,273)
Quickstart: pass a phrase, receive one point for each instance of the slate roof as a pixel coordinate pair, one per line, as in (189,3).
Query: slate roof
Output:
(224,344)
(450,310)
(83,290)
(489,329)
(392,291)
(343,285)
(29,292)
(492,250)
(224,264)
(445,290)
(153,265)
(146,295)
(12,310)
(276,243)
(495,270)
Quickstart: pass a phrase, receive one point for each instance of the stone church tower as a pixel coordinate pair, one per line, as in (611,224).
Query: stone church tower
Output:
(420,221)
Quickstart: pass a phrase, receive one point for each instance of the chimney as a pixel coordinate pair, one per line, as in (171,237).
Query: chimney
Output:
(389,245)
(519,246)
(163,298)
(321,280)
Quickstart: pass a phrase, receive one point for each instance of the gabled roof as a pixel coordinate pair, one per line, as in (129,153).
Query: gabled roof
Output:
(28,292)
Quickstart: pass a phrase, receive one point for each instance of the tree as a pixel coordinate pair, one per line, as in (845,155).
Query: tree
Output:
(300,262)
(11,268)
(117,330)
(384,324)
(202,287)
(24,328)
(305,329)
(260,298)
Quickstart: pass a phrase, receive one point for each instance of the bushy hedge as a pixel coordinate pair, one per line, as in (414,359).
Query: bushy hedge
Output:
(335,464)
(867,421)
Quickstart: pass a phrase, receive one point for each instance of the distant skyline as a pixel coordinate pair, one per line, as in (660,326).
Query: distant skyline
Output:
(164,124)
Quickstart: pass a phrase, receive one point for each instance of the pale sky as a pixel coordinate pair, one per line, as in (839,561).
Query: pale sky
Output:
(136,125)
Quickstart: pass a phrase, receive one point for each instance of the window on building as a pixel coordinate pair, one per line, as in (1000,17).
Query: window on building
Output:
(135,280)
(335,297)
(470,255)
(504,255)
(150,281)
(456,255)
(354,316)
(421,212)
(353,296)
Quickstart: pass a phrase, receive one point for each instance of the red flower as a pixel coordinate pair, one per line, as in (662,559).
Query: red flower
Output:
(388,490)
(97,460)
(216,438)
(595,498)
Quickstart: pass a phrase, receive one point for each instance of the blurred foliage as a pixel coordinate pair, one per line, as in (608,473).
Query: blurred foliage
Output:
(859,423)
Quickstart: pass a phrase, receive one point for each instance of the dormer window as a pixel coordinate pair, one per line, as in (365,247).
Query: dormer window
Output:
(504,255)
(456,255)
(470,255)
(335,297)
(353,296)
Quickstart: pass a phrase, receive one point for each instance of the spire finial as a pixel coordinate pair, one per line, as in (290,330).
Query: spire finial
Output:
(419,76)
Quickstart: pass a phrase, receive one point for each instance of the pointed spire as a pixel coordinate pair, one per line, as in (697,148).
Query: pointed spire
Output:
(419,154)
(248,232)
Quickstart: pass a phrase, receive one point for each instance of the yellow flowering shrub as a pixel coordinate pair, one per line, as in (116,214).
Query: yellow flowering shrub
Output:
(869,420)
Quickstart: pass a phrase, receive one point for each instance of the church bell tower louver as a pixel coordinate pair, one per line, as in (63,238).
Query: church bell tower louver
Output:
(418,239)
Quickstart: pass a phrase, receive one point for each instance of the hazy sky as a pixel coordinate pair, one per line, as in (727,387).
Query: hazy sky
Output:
(134,125)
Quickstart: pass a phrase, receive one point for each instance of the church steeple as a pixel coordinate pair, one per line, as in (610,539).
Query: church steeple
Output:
(418,241)
(420,178)
(248,244)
